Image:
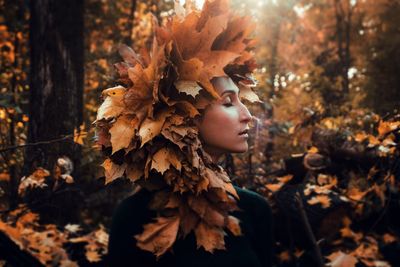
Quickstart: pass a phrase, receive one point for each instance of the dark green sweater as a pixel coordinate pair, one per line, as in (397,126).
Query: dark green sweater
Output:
(252,249)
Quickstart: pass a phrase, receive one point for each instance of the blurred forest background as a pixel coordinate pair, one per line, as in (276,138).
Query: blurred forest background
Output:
(325,150)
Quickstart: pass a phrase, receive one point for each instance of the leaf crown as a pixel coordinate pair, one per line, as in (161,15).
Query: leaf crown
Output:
(146,126)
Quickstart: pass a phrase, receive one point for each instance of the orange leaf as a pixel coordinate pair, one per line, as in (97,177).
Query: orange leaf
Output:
(248,94)
(210,238)
(188,87)
(159,236)
(163,158)
(122,132)
(112,171)
(151,128)
(113,103)
(340,259)
(274,187)
(233,225)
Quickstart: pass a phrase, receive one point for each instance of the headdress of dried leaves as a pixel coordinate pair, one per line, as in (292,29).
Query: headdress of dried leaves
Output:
(147,127)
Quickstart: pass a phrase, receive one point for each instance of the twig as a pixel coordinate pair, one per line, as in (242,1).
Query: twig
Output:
(37,143)
(309,232)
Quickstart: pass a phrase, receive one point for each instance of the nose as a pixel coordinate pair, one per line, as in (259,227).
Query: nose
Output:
(245,115)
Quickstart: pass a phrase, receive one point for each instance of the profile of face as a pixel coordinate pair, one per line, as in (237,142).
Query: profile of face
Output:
(224,125)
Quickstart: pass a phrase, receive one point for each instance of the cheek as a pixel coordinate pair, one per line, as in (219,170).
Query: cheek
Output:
(219,124)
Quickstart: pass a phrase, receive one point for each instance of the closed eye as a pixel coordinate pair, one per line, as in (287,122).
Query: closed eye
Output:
(227,101)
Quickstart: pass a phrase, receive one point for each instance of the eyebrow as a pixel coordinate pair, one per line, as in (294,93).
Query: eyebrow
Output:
(231,91)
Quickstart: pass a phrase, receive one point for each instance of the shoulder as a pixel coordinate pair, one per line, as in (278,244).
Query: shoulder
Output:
(138,200)
(132,211)
(253,202)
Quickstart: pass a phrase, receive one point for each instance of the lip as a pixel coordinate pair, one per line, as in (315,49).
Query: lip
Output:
(244,132)
(244,135)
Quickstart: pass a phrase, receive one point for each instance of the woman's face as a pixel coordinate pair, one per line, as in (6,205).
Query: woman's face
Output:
(225,123)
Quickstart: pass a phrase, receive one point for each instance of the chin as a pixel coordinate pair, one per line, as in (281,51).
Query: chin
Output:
(241,149)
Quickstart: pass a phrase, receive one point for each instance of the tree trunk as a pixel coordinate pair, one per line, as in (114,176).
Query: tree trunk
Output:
(56,85)
(343,30)
(130,24)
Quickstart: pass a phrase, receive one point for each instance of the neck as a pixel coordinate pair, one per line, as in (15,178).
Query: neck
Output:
(213,153)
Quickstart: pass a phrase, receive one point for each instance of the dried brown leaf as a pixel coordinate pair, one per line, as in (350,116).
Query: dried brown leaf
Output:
(159,236)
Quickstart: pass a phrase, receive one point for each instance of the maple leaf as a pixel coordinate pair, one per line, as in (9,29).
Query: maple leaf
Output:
(165,157)
(386,127)
(141,97)
(193,38)
(122,132)
(233,225)
(134,172)
(246,93)
(189,219)
(36,179)
(188,87)
(159,236)
(209,237)
(112,171)
(152,127)
(220,180)
(92,256)
(206,211)
(234,37)
(73,228)
(113,103)
(340,259)
(177,133)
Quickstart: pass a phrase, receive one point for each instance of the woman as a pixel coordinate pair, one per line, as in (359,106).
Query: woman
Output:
(178,112)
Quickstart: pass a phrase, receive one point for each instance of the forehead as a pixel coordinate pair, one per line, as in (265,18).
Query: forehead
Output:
(222,84)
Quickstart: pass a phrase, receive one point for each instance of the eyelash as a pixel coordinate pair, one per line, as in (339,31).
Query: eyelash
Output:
(228,104)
